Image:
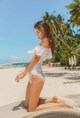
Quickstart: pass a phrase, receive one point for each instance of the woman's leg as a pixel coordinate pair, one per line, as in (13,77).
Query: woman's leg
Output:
(48,100)
(34,93)
(27,94)
(51,105)
(54,99)
(33,97)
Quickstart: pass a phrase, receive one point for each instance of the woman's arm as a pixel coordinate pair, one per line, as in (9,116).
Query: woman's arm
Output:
(32,63)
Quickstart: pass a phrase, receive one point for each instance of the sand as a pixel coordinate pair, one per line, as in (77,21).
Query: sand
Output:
(58,82)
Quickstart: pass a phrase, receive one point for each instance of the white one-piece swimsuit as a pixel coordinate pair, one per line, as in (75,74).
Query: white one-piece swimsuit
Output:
(45,53)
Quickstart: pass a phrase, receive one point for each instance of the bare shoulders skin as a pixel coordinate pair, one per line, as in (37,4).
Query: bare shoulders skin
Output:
(45,43)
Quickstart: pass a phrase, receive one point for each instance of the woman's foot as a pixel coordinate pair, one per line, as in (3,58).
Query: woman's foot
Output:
(61,102)
(55,99)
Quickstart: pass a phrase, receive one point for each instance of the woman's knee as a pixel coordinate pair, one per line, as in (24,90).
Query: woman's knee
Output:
(31,109)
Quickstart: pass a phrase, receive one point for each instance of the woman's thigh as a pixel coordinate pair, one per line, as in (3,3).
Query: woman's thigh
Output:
(27,94)
(35,90)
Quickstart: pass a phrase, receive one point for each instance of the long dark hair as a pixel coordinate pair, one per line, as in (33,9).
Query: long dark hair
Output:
(43,26)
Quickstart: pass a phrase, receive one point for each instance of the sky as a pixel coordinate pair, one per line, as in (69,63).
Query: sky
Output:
(17,19)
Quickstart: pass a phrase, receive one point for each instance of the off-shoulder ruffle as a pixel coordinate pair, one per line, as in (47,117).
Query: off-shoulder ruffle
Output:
(45,53)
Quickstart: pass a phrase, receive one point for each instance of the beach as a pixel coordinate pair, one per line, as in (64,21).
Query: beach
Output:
(58,82)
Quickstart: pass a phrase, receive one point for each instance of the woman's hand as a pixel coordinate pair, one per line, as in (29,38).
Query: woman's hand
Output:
(20,76)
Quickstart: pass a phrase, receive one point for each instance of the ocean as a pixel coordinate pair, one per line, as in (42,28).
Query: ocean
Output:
(13,64)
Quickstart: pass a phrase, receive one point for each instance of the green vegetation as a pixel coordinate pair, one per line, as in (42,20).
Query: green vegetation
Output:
(67,41)
(75,12)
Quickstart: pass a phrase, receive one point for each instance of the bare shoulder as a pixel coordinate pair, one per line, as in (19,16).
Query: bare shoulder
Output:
(45,43)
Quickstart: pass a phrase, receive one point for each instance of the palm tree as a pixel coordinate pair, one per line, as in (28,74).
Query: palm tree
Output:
(63,36)
(75,12)
(57,27)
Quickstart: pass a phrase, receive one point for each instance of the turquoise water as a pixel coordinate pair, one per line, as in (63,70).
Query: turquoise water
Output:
(16,64)
(19,64)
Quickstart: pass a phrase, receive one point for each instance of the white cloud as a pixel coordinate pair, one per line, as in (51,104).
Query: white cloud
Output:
(15,58)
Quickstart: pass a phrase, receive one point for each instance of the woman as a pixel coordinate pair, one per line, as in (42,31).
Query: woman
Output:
(36,78)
